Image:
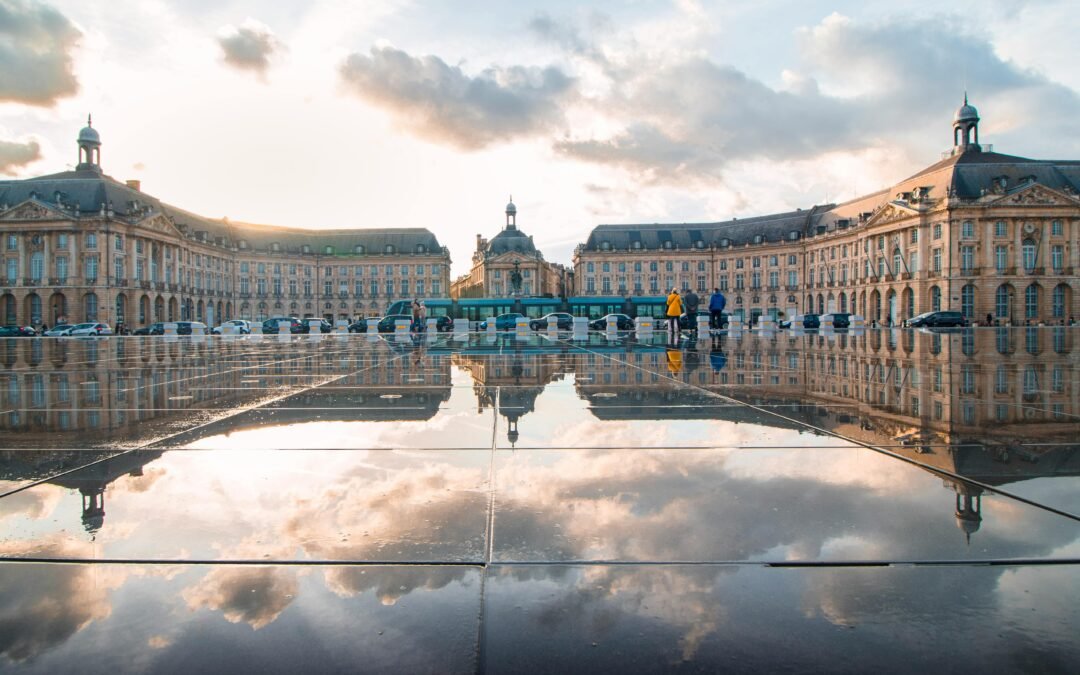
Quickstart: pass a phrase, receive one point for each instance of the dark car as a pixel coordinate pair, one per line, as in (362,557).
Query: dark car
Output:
(152,329)
(504,321)
(810,322)
(622,322)
(17,331)
(270,326)
(182,328)
(563,321)
(839,319)
(358,326)
(388,322)
(939,320)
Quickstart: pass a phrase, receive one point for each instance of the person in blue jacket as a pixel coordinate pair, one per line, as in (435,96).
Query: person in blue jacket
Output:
(717,302)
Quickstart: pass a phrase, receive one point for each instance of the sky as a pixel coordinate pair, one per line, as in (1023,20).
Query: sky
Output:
(398,113)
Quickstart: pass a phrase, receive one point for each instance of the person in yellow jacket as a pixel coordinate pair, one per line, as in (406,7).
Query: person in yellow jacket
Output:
(674,311)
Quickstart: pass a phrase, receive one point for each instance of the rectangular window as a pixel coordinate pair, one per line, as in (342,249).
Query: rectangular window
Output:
(389,286)
(590,284)
(756,262)
(791,259)
(792,278)
(91,240)
(328,287)
(119,242)
(967,258)
(1057,257)
(1000,229)
(13,242)
(420,287)
(373,286)
(937,231)
(937,260)
(1056,228)
(62,268)
(118,269)
(774,279)
(967,229)
(61,241)
(914,235)
(739,282)
(724,283)
(723,265)
(590,267)
(1001,258)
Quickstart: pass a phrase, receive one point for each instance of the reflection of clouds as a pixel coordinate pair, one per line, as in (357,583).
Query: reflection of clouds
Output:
(138,483)
(41,606)
(253,595)
(33,504)
(391,583)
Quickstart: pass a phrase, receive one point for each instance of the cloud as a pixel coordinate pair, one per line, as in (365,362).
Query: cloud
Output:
(441,102)
(249,47)
(36,42)
(253,595)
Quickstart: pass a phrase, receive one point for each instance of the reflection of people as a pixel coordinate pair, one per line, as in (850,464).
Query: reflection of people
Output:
(674,361)
(717,302)
(416,314)
(717,357)
(674,310)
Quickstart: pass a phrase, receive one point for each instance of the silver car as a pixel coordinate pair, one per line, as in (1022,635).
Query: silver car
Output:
(92,328)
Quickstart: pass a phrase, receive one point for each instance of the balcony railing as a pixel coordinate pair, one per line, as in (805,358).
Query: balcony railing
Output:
(58,281)
(90,281)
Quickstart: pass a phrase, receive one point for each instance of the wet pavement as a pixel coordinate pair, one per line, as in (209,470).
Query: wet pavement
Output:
(893,500)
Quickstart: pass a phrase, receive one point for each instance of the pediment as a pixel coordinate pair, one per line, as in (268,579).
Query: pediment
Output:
(31,209)
(892,211)
(161,225)
(511,257)
(1034,194)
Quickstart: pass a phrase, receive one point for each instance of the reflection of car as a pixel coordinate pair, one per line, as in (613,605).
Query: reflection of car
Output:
(17,331)
(839,319)
(622,322)
(152,329)
(810,321)
(942,319)
(59,330)
(504,321)
(386,324)
(563,321)
(93,328)
(241,326)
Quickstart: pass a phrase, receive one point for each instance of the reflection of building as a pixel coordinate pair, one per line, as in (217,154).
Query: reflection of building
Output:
(978,232)
(82,246)
(509,266)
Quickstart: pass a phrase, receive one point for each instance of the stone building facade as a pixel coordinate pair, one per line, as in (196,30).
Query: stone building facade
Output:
(511,252)
(979,232)
(81,246)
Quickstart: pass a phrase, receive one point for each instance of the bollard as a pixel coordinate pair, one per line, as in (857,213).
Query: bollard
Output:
(702,324)
(342,326)
(284,328)
(228,329)
(461,329)
(256,328)
(431,326)
(491,325)
(170,329)
(581,327)
(197,329)
(401,327)
(314,326)
(644,325)
(735,324)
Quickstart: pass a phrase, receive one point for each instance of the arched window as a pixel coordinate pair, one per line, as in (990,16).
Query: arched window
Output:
(1028,248)
(329,250)
(1031,302)
(1001,302)
(358,249)
(1058,301)
(90,306)
(35,309)
(935,299)
(967,301)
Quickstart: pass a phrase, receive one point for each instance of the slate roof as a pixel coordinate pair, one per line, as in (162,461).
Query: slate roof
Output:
(89,190)
(967,175)
(512,240)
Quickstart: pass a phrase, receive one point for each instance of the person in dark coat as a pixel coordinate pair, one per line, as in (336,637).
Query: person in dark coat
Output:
(691,302)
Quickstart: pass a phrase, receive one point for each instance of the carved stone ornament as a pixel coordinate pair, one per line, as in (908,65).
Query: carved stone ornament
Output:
(890,213)
(1034,196)
(29,211)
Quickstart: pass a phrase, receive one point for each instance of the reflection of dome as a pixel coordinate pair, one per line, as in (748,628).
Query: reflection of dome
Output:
(968,523)
(511,240)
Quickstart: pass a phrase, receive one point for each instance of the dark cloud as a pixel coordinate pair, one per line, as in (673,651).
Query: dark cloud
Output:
(36,42)
(442,103)
(249,47)
(16,155)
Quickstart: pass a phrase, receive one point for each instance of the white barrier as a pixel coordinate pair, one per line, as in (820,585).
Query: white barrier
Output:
(644,325)
(553,329)
(581,326)
(521,325)
(825,324)
(431,326)
(198,330)
(228,329)
(611,328)
(401,327)
(461,329)
(767,322)
(314,326)
(491,325)
(256,328)
(170,329)
(735,323)
(702,324)
(284,327)
(342,326)
(372,326)
(857,321)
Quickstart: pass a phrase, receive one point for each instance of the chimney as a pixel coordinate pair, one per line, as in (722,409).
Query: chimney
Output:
(134,184)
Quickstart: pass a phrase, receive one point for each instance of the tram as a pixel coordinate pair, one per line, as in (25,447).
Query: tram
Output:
(591,307)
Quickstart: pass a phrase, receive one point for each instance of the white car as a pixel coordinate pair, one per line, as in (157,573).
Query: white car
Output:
(93,328)
(242,326)
(59,330)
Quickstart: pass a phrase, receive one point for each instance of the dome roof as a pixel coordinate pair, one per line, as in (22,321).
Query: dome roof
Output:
(966,113)
(89,135)
(511,240)
(510,208)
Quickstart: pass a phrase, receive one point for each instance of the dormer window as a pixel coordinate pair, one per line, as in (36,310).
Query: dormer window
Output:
(605,246)
(758,239)
(275,247)
(636,245)
(668,245)
(242,244)
(724,243)
(420,248)
(358,249)
(329,250)
(793,235)
(699,244)
(389,248)
(305,248)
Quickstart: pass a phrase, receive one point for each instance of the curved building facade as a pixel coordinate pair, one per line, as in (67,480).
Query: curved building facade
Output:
(81,246)
(978,232)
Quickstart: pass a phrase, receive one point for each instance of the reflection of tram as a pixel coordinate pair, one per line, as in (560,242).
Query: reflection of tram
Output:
(478,309)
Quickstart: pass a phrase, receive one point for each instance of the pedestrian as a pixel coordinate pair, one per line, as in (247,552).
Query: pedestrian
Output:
(691,300)
(674,311)
(422,315)
(717,302)
(989,319)
(416,314)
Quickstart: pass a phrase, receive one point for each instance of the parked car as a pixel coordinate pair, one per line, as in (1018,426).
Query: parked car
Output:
(839,319)
(182,328)
(242,326)
(563,321)
(622,322)
(358,326)
(504,321)
(59,330)
(92,328)
(810,321)
(152,329)
(17,331)
(270,326)
(387,323)
(942,319)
